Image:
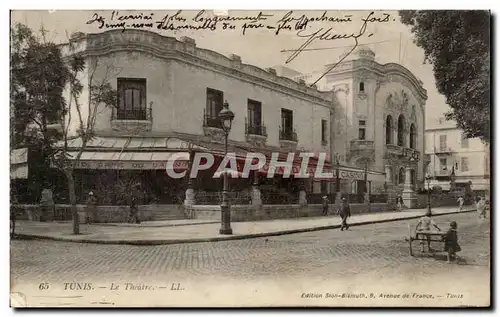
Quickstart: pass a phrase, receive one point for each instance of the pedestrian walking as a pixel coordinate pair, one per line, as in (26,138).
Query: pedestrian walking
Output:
(399,202)
(425,224)
(460,201)
(451,245)
(344,213)
(91,213)
(134,212)
(481,207)
(326,203)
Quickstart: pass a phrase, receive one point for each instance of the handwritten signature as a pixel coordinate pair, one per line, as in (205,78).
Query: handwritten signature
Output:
(329,35)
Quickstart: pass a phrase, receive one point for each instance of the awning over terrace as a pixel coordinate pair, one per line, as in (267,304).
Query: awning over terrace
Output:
(19,163)
(152,153)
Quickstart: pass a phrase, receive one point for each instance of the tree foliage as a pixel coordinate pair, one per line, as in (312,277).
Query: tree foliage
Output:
(38,78)
(457,44)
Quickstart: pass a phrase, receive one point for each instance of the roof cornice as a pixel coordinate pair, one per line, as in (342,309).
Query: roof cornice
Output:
(186,51)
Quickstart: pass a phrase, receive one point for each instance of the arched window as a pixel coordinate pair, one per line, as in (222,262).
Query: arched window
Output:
(361,87)
(401,130)
(401,176)
(388,130)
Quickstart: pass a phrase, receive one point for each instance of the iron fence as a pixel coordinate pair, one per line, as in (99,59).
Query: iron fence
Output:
(355,198)
(378,198)
(215,198)
(318,198)
(279,198)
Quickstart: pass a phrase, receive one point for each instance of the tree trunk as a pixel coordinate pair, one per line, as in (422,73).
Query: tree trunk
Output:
(72,200)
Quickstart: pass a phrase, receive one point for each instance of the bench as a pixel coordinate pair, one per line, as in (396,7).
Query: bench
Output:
(424,236)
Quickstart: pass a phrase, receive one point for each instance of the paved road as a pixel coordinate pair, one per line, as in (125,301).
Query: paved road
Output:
(363,254)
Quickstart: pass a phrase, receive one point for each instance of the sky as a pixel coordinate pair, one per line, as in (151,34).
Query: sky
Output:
(389,39)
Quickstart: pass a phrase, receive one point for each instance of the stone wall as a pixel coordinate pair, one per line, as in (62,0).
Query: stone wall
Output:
(267,212)
(105,214)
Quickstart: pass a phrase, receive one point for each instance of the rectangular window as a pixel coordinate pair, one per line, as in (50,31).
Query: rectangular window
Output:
(131,99)
(254,112)
(324,131)
(465,142)
(215,99)
(443,164)
(362,130)
(442,142)
(286,124)
(464,162)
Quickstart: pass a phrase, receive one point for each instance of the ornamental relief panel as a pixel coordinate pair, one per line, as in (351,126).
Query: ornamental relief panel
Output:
(341,88)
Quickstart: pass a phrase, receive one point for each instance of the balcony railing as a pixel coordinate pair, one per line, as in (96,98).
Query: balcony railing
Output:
(443,150)
(401,151)
(288,135)
(318,198)
(255,129)
(211,121)
(378,198)
(132,114)
(270,198)
(215,198)
(355,198)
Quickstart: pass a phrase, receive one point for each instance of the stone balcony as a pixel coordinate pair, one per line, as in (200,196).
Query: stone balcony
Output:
(256,134)
(288,139)
(396,151)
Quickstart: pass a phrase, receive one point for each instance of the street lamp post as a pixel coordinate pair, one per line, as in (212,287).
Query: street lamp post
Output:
(337,179)
(226,116)
(428,179)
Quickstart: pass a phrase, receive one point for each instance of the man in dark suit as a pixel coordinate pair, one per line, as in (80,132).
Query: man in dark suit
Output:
(344,212)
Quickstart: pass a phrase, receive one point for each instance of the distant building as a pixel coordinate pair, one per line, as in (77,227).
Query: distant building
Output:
(450,152)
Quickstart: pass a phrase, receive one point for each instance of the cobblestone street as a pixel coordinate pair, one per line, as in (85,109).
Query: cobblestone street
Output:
(365,254)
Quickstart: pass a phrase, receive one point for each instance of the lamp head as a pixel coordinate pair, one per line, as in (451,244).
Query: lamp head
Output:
(226,116)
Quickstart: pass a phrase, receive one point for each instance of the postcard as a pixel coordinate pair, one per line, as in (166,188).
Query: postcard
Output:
(225,158)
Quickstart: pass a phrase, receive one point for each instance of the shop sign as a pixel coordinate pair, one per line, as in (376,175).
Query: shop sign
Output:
(127,165)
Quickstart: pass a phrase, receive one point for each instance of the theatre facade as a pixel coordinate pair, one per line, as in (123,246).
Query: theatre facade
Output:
(378,121)
(170,95)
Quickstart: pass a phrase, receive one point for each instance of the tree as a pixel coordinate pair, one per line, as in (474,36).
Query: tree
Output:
(100,95)
(38,77)
(43,117)
(457,44)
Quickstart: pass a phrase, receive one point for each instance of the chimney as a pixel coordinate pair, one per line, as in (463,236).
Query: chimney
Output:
(188,40)
(235,58)
(271,70)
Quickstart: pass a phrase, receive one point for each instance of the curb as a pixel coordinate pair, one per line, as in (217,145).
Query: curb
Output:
(130,225)
(224,238)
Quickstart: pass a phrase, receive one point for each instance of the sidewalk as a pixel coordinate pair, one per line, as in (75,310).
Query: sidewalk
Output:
(205,232)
